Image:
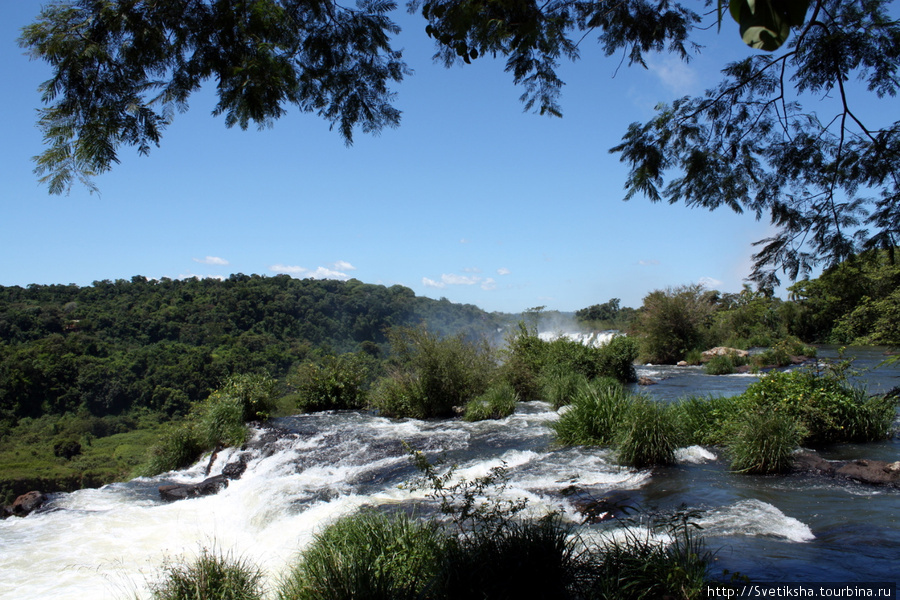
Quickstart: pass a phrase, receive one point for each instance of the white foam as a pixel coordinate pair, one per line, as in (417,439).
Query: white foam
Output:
(694,455)
(755,518)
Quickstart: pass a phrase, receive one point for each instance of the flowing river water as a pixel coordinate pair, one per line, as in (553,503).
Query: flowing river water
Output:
(109,542)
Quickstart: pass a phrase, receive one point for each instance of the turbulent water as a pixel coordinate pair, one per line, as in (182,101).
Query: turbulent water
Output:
(108,543)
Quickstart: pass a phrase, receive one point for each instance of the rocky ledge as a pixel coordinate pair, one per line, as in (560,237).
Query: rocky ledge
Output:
(873,472)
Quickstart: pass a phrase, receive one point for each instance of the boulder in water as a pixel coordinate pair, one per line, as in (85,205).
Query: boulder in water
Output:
(872,472)
(25,504)
(207,487)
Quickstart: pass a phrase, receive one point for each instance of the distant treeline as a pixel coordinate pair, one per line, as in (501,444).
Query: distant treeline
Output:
(164,344)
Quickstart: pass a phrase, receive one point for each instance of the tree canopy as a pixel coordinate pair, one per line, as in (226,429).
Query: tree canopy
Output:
(760,142)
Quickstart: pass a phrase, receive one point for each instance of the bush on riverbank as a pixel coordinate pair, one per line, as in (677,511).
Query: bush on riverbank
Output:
(497,402)
(332,383)
(220,420)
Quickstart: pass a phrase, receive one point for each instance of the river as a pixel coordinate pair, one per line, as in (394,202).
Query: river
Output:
(109,542)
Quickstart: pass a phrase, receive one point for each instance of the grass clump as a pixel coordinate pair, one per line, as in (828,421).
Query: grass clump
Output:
(497,402)
(367,555)
(764,443)
(560,386)
(211,576)
(664,560)
(594,416)
(648,436)
(722,364)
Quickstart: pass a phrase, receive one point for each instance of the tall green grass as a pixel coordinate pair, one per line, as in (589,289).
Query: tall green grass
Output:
(211,576)
(497,402)
(367,555)
(595,415)
(648,436)
(764,443)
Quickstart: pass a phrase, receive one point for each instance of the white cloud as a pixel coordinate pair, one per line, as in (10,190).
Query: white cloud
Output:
(674,73)
(343,265)
(290,269)
(319,273)
(709,282)
(432,283)
(489,284)
(323,273)
(503,271)
(465,241)
(648,263)
(453,279)
(211,260)
(471,270)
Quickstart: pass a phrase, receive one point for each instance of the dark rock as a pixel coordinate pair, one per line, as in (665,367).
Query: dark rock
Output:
(875,472)
(234,470)
(645,381)
(207,487)
(598,510)
(813,463)
(871,472)
(25,504)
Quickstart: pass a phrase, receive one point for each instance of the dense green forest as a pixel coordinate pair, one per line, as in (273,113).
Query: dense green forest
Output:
(164,344)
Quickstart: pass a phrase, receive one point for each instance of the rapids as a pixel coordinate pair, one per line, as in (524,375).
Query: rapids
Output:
(109,542)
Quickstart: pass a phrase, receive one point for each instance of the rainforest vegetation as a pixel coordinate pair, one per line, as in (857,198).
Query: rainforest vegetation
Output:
(90,377)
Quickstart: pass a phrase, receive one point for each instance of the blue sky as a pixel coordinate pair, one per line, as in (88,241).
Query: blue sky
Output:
(471,198)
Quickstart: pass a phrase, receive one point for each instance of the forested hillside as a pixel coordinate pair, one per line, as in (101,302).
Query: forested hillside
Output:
(163,344)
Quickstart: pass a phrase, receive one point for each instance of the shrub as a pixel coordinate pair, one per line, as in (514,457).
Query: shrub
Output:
(530,559)
(212,576)
(637,565)
(66,448)
(497,402)
(764,443)
(722,364)
(616,359)
(220,421)
(559,386)
(648,436)
(334,383)
(367,555)
(434,375)
(673,322)
(178,447)
(825,406)
(595,415)
(399,395)
(703,420)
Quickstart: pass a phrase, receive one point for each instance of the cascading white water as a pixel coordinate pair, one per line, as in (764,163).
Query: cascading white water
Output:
(106,543)
(593,339)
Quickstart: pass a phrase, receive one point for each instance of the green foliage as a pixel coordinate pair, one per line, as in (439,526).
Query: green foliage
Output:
(497,402)
(218,421)
(853,302)
(260,58)
(367,555)
(559,386)
(179,446)
(648,436)
(823,176)
(530,559)
(705,421)
(609,315)
(722,364)
(333,383)
(596,415)
(163,345)
(764,443)
(673,322)
(633,564)
(825,407)
(210,576)
(433,375)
